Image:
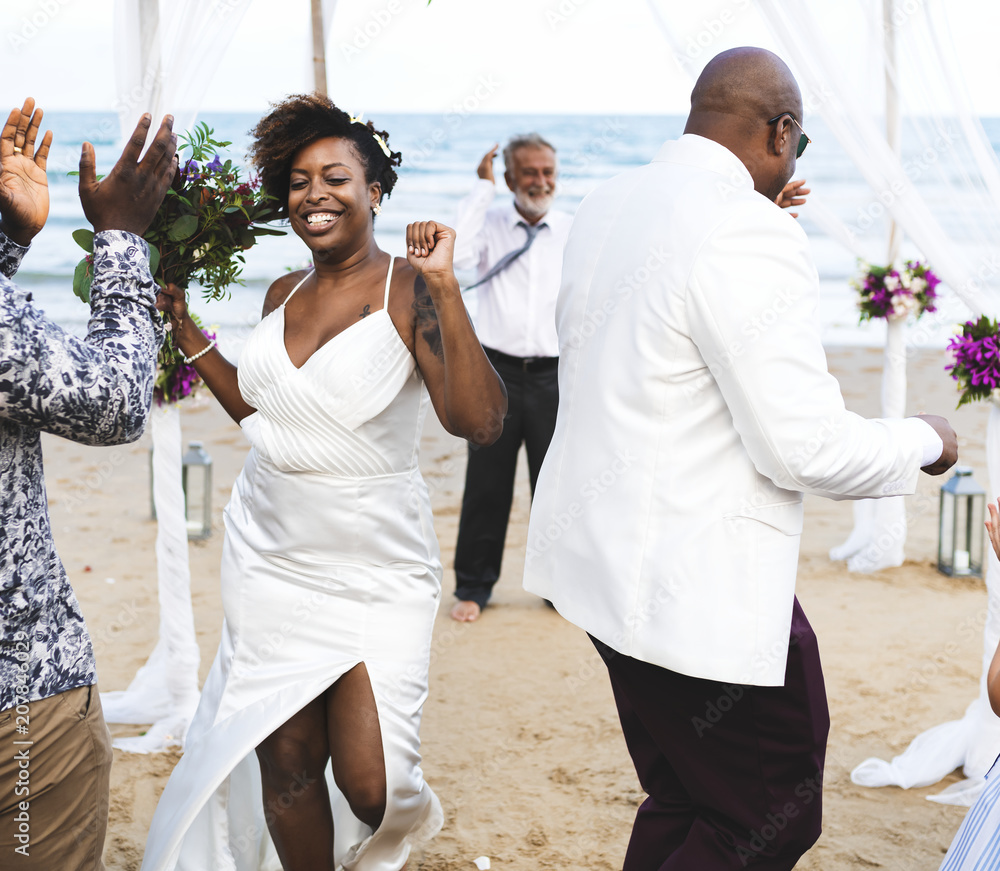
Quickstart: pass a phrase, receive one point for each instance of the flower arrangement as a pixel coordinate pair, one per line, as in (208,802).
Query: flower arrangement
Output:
(887,292)
(976,351)
(208,218)
(175,379)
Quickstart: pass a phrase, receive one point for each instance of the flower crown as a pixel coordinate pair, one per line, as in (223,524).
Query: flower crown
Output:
(378,139)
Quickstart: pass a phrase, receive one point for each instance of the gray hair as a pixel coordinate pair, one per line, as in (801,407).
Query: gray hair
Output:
(523,140)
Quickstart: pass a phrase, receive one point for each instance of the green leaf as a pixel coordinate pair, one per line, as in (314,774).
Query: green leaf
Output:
(246,237)
(85,239)
(268,231)
(183,228)
(82,278)
(154,259)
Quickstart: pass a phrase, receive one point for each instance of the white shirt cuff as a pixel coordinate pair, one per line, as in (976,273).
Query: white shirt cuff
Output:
(933,447)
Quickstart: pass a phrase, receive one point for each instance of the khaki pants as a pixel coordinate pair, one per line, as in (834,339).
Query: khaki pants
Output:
(55,768)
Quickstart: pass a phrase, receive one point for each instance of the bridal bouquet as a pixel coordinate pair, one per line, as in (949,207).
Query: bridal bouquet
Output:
(175,379)
(209,217)
(886,292)
(976,351)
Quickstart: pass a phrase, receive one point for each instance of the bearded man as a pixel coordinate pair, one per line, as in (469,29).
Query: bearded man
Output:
(517,249)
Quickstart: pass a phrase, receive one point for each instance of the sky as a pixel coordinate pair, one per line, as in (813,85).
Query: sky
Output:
(518,56)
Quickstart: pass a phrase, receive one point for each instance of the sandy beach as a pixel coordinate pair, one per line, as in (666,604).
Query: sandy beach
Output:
(520,736)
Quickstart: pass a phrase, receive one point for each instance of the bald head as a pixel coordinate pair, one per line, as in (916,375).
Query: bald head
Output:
(738,92)
(748,84)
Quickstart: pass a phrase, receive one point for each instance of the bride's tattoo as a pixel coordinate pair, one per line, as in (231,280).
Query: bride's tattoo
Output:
(367,310)
(427,319)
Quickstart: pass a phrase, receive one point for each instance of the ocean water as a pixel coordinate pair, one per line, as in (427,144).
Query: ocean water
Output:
(440,155)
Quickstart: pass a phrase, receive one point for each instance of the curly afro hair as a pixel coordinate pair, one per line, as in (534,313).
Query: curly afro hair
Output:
(300,120)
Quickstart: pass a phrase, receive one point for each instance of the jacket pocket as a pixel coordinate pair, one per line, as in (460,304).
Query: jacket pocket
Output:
(786,517)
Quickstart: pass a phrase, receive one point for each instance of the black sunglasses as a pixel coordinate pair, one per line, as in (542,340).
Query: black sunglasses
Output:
(803,139)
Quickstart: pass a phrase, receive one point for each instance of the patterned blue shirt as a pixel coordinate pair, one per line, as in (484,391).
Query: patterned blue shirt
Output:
(95,390)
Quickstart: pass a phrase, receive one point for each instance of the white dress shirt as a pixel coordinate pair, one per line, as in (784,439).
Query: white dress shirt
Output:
(695,408)
(516,310)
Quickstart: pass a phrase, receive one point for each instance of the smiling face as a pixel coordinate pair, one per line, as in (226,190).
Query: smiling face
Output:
(329,200)
(532,178)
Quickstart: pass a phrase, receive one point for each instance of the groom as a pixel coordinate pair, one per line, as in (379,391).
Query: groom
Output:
(695,410)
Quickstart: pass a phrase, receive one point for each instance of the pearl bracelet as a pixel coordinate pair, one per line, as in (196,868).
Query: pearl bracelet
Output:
(201,353)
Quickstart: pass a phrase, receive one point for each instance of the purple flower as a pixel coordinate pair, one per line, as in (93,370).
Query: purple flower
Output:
(215,165)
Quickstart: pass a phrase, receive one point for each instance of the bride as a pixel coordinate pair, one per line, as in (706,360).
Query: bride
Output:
(330,567)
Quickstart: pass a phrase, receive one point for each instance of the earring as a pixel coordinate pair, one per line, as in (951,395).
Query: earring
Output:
(377,209)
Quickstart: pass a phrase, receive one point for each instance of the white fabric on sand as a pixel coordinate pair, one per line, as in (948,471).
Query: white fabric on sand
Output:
(164,691)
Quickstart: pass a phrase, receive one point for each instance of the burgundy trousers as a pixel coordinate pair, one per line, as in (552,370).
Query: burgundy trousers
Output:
(734,772)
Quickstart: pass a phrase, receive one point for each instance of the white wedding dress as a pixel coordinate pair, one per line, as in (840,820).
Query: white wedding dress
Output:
(330,559)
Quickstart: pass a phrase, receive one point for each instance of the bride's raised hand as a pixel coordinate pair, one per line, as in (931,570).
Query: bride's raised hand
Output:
(430,249)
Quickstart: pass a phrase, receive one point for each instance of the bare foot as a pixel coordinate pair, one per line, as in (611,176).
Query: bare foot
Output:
(465,612)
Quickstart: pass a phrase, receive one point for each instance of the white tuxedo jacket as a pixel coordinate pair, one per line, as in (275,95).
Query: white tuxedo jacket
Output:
(695,408)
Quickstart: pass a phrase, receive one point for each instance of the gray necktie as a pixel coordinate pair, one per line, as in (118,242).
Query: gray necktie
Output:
(510,257)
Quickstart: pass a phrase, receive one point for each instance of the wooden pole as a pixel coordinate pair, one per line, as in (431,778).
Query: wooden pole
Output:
(319,48)
(893,119)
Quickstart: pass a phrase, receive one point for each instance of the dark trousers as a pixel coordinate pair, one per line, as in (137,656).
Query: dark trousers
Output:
(734,773)
(532,400)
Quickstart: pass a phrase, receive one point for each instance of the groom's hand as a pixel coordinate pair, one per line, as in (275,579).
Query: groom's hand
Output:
(949,456)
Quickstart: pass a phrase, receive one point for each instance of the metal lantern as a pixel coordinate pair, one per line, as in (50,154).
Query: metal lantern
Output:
(197,486)
(960,536)
(196,479)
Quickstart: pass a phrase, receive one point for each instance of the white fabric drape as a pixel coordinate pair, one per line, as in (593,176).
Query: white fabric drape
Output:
(820,71)
(167,53)
(878,539)
(165,690)
(972,742)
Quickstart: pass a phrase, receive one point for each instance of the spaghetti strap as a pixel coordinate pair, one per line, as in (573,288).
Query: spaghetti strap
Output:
(297,286)
(388,281)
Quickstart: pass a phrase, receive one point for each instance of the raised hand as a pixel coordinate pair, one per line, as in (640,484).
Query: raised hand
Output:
(430,247)
(485,168)
(793,194)
(993,528)
(24,189)
(128,197)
